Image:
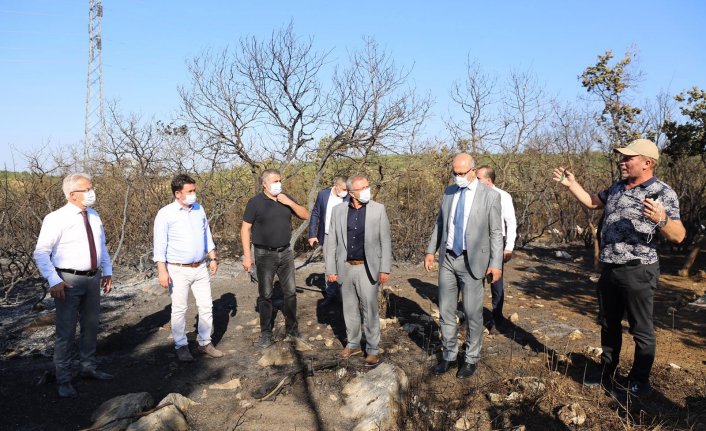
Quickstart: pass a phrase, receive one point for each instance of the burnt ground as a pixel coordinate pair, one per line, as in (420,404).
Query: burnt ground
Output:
(552,297)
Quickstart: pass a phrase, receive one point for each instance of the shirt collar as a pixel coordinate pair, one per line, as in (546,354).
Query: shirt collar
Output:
(73,208)
(646,184)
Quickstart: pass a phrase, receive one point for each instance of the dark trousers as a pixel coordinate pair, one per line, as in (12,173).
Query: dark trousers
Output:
(81,304)
(281,263)
(497,292)
(628,289)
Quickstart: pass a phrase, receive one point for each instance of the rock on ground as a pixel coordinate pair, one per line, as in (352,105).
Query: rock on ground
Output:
(168,418)
(572,414)
(124,406)
(373,399)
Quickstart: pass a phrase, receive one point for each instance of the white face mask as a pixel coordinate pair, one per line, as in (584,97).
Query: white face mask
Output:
(462,181)
(342,194)
(364,195)
(276,188)
(89,198)
(189,199)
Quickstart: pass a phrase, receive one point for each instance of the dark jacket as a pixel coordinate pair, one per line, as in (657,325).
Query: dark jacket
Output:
(317,219)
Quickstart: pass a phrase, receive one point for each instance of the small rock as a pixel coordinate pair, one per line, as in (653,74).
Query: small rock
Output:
(233,384)
(513,397)
(341,373)
(319,337)
(593,351)
(277,356)
(255,321)
(165,419)
(309,323)
(463,424)
(333,397)
(561,254)
(519,428)
(572,414)
(495,398)
(674,366)
(514,318)
(312,338)
(328,342)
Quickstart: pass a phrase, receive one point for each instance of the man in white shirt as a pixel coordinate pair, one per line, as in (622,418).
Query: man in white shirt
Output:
(182,239)
(319,223)
(71,254)
(486,175)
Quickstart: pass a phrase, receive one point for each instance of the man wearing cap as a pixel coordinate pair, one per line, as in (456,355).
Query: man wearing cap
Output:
(636,208)
(71,254)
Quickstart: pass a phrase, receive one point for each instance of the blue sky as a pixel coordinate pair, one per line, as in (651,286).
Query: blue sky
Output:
(43,49)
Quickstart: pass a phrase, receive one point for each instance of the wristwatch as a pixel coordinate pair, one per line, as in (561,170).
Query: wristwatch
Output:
(663,223)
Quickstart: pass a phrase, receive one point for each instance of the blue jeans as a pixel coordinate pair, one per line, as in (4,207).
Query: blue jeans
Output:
(281,263)
(80,304)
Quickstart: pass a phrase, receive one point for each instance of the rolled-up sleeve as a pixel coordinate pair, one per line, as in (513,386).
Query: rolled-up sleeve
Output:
(159,252)
(48,238)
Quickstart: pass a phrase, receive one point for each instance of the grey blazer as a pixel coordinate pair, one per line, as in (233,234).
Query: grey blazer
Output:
(484,231)
(378,245)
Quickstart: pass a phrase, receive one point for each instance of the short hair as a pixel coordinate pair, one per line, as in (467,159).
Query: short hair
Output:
(489,172)
(655,162)
(71,180)
(179,181)
(267,172)
(356,177)
(341,179)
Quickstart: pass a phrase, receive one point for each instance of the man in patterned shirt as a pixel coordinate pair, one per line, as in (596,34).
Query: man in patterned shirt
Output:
(636,207)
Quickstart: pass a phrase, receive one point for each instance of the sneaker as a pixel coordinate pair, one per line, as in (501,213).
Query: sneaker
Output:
(599,377)
(347,353)
(633,389)
(66,390)
(184,354)
(211,351)
(264,341)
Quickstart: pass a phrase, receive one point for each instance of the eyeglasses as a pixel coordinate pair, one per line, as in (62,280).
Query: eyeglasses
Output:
(459,174)
(82,191)
(357,190)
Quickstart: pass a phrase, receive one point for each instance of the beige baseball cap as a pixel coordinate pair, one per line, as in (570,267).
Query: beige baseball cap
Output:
(640,147)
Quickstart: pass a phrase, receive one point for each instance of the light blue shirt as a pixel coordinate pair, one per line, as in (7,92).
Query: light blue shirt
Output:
(181,235)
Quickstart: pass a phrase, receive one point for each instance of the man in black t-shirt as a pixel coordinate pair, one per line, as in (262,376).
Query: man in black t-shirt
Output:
(268,223)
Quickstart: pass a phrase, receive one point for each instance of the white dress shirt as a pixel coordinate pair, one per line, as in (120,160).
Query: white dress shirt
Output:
(509,222)
(181,235)
(467,203)
(63,243)
(333,200)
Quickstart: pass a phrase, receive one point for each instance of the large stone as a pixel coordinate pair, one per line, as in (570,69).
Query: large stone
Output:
(167,418)
(233,384)
(118,413)
(373,399)
(572,414)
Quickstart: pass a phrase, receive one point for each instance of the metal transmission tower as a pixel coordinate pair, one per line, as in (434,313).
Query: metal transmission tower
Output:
(95,116)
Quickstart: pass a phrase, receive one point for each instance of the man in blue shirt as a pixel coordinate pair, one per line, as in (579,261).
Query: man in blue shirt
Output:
(182,240)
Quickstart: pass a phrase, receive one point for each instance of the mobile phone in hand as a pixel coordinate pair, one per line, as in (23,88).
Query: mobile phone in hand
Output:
(652,196)
(489,277)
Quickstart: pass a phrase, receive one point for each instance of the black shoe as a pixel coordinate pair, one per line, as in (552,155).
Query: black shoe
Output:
(442,367)
(96,375)
(264,341)
(633,389)
(599,377)
(466,371)
(328,301)
(67,390)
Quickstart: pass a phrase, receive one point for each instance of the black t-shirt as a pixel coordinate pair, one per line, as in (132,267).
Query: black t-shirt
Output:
(271,221)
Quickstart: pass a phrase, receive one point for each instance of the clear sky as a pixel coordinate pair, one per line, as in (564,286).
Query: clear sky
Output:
(44,49)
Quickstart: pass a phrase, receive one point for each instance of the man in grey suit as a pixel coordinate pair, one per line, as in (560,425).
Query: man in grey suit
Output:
(359,251)
(468,234)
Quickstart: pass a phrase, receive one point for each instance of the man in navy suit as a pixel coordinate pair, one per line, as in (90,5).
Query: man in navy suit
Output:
(320,220)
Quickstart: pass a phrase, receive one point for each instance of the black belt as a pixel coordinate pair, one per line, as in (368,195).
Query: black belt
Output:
(451,252)
(633,262)
(277,249)
(90,273)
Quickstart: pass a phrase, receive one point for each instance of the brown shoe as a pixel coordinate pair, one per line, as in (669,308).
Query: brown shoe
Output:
(211,351)
(347,353)
(372,361)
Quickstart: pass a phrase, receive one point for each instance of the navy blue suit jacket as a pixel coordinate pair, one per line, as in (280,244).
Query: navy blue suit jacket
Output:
(317,218)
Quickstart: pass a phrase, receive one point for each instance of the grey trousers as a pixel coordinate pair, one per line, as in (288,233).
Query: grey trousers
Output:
(81,304)
(358,292)
(454,276)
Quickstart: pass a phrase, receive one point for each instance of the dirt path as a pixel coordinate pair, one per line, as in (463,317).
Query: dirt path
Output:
(552,297)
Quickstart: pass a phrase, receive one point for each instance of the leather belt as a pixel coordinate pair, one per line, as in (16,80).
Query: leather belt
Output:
(633,262)
(277,249)
(451,252)
(187,265)
(89,273)
(356,262)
